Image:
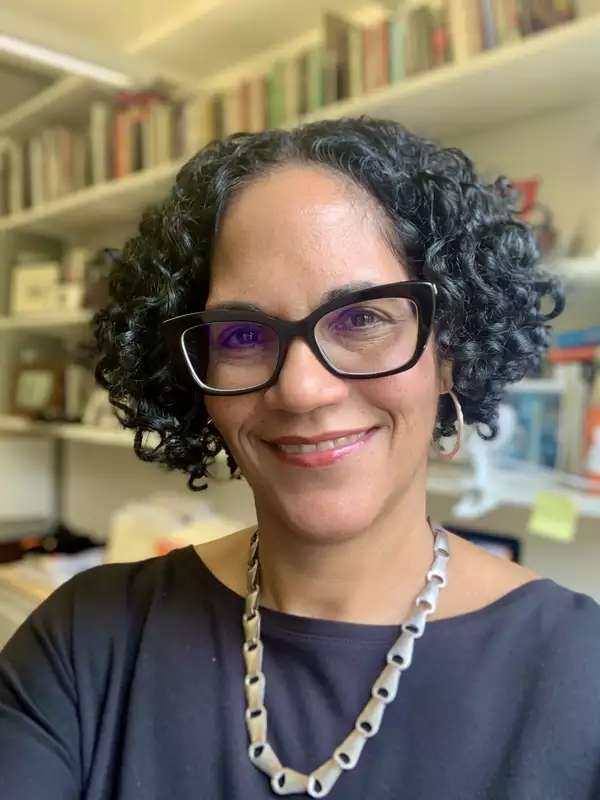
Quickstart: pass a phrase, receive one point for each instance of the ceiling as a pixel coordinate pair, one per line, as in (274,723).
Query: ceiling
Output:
(189,38)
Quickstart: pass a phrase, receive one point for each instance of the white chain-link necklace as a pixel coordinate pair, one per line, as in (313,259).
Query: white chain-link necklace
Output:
(320,782)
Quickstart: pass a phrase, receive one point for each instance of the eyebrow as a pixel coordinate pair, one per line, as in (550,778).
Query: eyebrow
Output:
(332,294)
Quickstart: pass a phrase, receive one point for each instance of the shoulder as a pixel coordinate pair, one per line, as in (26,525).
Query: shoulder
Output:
(102,603)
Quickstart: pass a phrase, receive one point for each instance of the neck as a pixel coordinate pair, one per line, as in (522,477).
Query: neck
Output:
(372,578)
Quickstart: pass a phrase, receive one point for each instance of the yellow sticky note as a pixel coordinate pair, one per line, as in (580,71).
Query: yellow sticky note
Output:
(553,515)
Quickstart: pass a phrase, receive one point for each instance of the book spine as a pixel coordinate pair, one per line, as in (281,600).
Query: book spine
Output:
(370,57)
(561,355)
(355,61)
(397,34)
(291,83)
(489,33)
(257,104)
(314,74)
(383,53)
(465,29)
(36,171)
(578,338)
(440,36)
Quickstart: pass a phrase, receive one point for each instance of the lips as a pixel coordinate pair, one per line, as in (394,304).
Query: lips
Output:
(321,453)
(321,437)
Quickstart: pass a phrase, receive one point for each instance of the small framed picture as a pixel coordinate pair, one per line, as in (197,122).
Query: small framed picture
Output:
(536,409)
(38,390)
(33,287)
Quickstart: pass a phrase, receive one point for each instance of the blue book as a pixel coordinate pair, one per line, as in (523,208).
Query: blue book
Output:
(578,338)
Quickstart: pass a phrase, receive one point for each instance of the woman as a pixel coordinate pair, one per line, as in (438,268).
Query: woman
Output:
(323,304)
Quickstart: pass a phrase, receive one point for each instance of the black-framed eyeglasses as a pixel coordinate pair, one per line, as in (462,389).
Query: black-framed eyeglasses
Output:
(369,333)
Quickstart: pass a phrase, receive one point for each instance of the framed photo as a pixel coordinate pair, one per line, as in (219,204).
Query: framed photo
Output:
(38,390)
(33,287)
(537,408)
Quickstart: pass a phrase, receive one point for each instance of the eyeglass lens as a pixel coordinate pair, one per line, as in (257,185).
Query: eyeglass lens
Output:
(369,337)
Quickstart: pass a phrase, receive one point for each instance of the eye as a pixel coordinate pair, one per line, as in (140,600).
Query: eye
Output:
(357,318)
(241,337)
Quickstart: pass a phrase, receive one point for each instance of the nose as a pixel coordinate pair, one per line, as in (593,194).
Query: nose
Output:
(304,384)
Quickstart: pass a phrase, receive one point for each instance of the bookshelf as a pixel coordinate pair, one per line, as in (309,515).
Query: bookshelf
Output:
(495,86)
(111,203)
(65,101)
(88,434)
(493,89)
(58,323)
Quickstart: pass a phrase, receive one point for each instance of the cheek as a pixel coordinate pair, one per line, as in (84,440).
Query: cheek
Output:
(231,415)
(411,398)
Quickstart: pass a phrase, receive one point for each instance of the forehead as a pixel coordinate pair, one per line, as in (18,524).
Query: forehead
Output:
(295,234)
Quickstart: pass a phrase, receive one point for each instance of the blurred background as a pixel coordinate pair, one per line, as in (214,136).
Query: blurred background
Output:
(99,107)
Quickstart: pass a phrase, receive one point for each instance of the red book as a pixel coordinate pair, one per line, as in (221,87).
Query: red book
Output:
(563,355)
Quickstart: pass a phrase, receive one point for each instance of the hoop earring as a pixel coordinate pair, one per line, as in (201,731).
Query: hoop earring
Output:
(448,455)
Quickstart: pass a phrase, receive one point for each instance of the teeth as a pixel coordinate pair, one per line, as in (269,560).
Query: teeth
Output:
(328,444)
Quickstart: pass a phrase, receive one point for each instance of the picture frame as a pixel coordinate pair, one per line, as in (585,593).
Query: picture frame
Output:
(33,287)
(37,390)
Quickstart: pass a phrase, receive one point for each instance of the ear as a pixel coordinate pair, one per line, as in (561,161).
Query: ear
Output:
(446,381)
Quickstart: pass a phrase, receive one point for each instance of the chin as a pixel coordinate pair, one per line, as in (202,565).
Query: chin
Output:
(326,520)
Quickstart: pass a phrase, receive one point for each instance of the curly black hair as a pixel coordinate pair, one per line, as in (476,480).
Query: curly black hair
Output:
(446,226)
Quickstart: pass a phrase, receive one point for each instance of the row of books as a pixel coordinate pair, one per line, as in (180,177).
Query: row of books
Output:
(576,345)
(137,131)
(143,129)
(353,60)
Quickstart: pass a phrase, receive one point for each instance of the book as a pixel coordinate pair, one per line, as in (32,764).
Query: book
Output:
(337,50)
(397,46)
(314,79)
(440,37)
(258,121)
(277,85)
(355,61)
(419,40)
(161,116)
(464,20)
(506,15)
(36,171)
(291,91)
(371,58)
(11,155)
(489,33)
(99,130)
(586,352)
(578,338)
(244,95)
(231,111)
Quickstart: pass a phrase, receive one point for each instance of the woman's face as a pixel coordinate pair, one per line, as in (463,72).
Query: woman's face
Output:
(287,240)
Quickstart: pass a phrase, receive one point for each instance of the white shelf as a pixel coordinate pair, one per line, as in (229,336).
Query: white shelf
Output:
(111,203)
(511,487)
(558,68)
(89,434)
(578,271)
(50,322)
(495,87)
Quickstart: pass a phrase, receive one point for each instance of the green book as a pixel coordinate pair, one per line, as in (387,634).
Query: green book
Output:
(397,33)
(314,70)
(355,61)
(276,111)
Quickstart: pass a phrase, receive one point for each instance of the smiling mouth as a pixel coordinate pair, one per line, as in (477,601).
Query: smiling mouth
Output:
(326,444)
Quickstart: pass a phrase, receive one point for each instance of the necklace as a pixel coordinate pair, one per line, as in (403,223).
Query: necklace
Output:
(399,657)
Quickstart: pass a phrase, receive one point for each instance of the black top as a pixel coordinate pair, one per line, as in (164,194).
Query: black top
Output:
(127,684)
